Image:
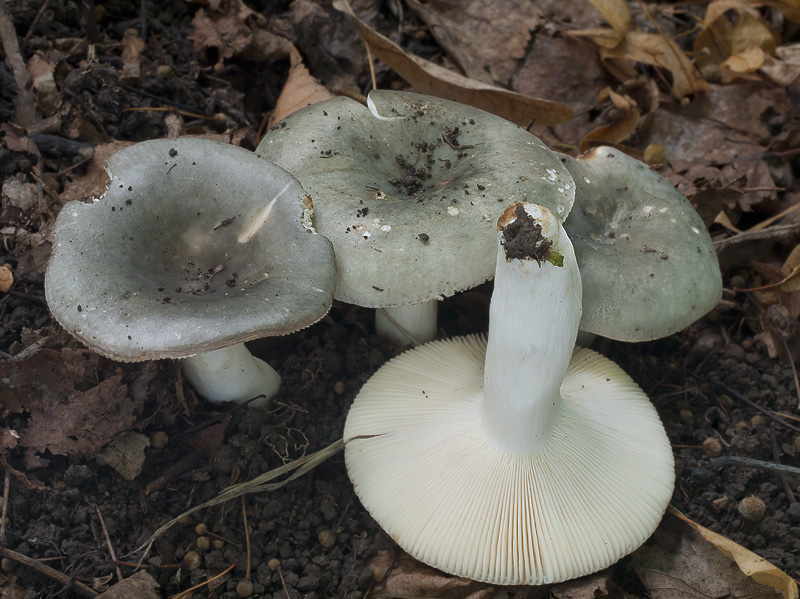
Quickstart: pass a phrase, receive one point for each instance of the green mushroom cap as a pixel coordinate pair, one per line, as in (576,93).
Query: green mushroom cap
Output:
(647,262)
(409,189)
(195,246)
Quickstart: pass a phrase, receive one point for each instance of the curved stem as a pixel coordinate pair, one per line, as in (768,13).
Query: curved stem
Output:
(231,374)
(533,323)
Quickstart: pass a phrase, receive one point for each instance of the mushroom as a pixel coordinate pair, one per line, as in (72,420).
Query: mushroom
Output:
(408,189)
(514,460)
(648,263)
(195,248)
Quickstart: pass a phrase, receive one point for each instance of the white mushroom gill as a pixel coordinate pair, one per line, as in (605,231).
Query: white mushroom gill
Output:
(517,460)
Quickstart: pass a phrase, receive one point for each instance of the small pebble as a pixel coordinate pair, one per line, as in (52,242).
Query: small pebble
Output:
(720,503)
(752,508)
(712,447)
(758,420)
(327,539)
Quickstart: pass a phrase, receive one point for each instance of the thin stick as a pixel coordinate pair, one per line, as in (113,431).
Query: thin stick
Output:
(398,326)
(188,592)
(246,541)
(108,541)
(283,582)
(6,489)
(732,460)
(727,390)
(78,587)
(371,65)
(787,488)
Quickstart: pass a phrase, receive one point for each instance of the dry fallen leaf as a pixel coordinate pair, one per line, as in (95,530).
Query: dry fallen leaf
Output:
(79,423)
(617,15)
(404,577)
(125,454)
(429,78)
(300,89)
(138,586)
(619,131)
(657,50)
(485,39)
(683,560)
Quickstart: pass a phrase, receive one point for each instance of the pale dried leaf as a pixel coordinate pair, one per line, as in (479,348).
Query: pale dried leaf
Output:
(683,560)
(485,39)
(617,15)
(125,454)
(140,585)
(429,78)
(751,565)
(657,50)
(784,68)
(617,132)
(300,89)
(748,61)
(404,577)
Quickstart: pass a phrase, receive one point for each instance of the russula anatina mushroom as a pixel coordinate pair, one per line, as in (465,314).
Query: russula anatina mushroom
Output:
(195,248)
(513,460)
(408,190)
(649,267)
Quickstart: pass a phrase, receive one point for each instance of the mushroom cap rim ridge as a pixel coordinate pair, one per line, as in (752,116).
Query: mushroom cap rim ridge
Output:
(72,267)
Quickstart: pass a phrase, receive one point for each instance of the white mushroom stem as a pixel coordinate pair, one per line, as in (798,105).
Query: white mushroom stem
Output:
(231,374)
(418,321)
(534,316)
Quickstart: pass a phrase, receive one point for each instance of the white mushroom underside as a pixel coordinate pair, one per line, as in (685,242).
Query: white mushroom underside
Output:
(431,477)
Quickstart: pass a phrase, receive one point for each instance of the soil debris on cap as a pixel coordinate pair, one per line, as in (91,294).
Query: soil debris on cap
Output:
(523,238)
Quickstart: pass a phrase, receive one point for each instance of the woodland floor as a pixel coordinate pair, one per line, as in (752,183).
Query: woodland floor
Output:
(724,386)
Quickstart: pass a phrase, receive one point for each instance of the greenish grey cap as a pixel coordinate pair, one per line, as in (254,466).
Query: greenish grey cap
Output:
(647,262)
(195,246)
(409,189)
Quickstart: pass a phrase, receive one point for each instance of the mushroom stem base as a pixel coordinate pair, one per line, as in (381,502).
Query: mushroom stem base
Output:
(232,374)
(418,321)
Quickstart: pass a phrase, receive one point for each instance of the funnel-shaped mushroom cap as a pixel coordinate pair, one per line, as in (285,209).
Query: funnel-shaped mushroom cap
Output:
(195,246)
(648,265)
(409,189)
(425,468)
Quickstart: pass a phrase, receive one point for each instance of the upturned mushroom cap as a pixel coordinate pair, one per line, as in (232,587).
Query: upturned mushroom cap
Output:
(426,470)
(195,246)
(648,265)
(409,189)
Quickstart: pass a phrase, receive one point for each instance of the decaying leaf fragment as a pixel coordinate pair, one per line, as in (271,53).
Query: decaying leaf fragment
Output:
(659,51)
(726,50)
(300,89)
(485,39)
(619,131)
(684,559)
(430,78)
(617,15)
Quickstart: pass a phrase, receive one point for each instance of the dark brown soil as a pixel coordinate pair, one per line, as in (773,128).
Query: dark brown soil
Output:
(714,385)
